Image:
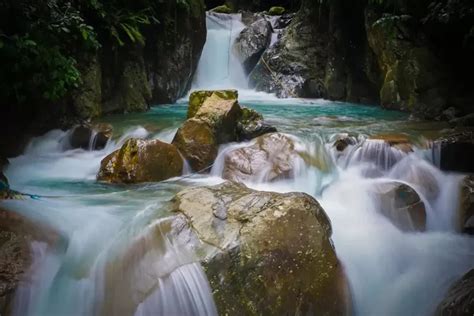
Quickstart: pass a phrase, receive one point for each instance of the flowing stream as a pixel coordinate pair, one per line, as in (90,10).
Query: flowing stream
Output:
(391,272)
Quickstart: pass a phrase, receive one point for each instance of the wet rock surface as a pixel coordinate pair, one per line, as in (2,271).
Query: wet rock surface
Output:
(141,161)
(466,208)
(270,157)
(456,152)
(16,235)
(263,252)
(252,42)
(459,300)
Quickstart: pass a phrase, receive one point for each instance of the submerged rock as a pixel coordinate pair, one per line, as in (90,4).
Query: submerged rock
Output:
(269,157)
(402,205)
(252,42)
(141,161)
(466,208)
(263,252)
(456,152)
(460,298)
(16,235)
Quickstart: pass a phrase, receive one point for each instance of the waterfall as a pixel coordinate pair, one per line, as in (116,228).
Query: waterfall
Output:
(219,68)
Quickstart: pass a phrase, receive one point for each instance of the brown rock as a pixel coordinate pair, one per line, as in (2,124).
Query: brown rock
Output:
(196,141)
(270,157)
(141,161)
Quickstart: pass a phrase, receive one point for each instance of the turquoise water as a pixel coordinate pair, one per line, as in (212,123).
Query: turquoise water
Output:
(299,117)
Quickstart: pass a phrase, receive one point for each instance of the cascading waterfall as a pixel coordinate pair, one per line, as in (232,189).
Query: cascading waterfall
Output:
(218,67)
(117,257)
(391,272)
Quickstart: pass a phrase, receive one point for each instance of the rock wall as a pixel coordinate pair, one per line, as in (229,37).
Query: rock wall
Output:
(388,54)
(119,78)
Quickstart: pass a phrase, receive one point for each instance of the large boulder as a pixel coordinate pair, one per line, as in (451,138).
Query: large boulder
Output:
(197,98)
(141,161)
(264,253)
(459,300)
(215,118)
(252,42)
(197,142)
(16,255)
(401,204)
(456,152)
(269,157)
(466,208)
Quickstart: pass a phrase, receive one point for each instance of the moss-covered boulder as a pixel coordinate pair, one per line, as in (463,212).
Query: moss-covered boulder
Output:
(269,157)
(197,142)
(466,208)
(16,256)
(212,120)
(401,204)
(251,125)
(264,253)
(225,9)
(276,11)
(459,300)
(141,161)
(197,98)
(222,115)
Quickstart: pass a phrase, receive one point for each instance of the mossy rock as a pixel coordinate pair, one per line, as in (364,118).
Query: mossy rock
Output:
(276,11)
(264,253)
(222,9)
(141,161)
(197,98)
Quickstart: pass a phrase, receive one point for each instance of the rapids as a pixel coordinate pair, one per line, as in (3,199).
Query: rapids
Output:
(390,272)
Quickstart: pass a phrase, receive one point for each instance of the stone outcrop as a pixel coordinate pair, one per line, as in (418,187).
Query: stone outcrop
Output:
(466,208)
(215,118)
(263,252)
(252,42)
(312,58)
(141,161)
(460,298)
(456,152)
(413,77)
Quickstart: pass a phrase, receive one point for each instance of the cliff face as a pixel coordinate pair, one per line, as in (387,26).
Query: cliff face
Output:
(405,56)
(116,78)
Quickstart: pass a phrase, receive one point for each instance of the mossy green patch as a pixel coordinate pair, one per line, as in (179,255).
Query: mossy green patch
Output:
(276,11)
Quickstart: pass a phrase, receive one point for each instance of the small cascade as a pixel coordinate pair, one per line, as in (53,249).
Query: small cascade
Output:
(93,140)
(218,67)
(374,152)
